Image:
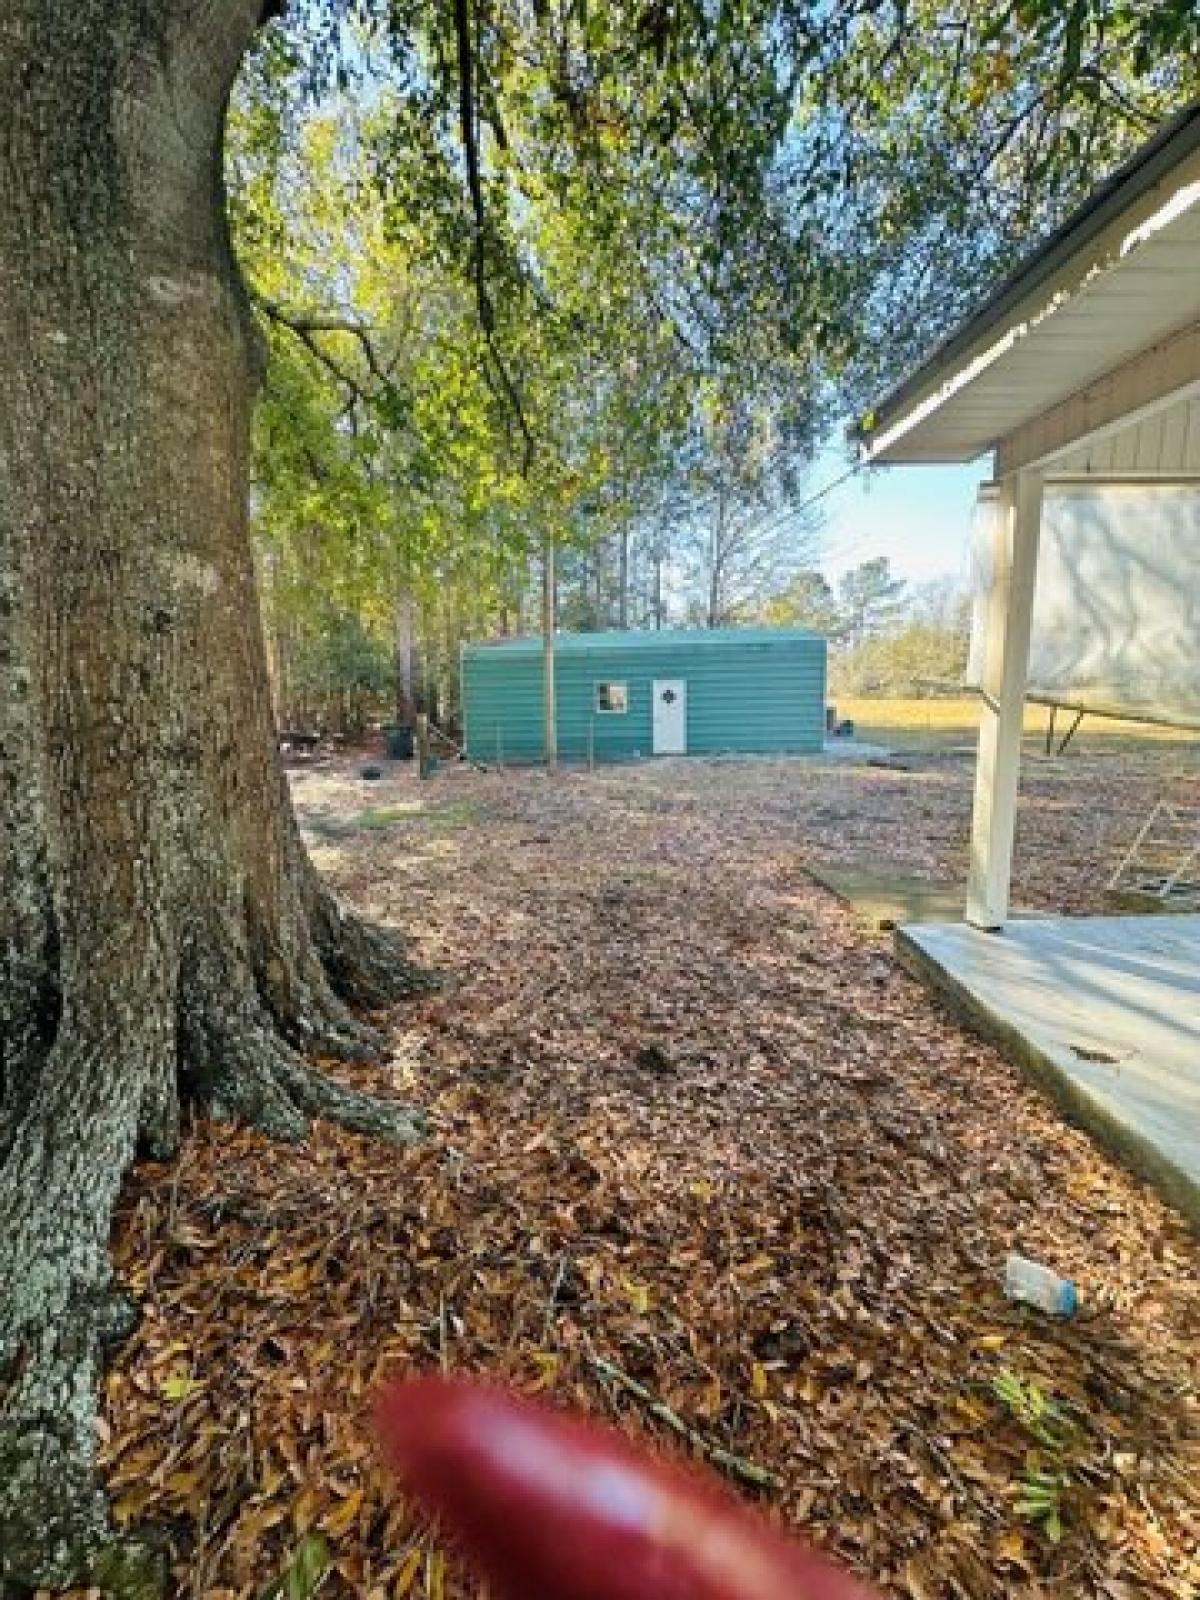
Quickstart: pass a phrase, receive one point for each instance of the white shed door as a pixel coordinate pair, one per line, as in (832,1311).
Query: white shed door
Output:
(670,717)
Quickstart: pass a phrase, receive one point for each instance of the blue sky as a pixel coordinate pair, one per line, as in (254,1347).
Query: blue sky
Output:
(918,516)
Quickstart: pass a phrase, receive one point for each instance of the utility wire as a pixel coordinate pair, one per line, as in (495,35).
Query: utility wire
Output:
(813,499)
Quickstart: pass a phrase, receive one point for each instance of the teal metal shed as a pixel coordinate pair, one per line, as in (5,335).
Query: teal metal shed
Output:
(698,691)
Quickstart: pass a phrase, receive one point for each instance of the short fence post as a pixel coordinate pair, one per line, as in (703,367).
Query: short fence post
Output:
(591,744)
(499,747)
(423,744)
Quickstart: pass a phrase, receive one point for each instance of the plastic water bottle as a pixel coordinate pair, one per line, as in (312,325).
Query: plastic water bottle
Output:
(1039,1286)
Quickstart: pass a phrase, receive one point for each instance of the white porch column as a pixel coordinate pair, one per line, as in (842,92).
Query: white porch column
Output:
(1016,524)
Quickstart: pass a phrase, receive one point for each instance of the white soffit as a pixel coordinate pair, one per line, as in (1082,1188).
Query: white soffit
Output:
(1132,285)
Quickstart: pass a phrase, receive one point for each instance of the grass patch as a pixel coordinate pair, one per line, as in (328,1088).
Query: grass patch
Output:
(375,819)
(944,723)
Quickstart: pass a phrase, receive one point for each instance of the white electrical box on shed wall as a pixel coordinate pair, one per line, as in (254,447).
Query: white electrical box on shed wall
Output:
(1116,611)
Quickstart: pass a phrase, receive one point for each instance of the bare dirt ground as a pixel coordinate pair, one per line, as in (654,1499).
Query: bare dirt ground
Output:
(689,1121)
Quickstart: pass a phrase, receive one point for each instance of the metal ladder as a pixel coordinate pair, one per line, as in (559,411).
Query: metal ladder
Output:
(1163,862)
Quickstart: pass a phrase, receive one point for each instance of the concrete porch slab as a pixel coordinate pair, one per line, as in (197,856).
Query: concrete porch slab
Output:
(882,897)
(1102,1012)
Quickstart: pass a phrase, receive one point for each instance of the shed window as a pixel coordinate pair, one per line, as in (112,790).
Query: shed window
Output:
(612,697)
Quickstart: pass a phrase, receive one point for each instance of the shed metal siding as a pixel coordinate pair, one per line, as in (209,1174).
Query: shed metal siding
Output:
(755,691)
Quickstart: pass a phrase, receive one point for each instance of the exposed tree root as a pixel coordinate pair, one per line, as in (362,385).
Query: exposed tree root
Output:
(366,964)
(63,1153)
(234,1065)
(252,1075)
(322,1096)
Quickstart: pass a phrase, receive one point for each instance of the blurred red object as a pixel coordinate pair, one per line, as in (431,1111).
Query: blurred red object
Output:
(550,1508)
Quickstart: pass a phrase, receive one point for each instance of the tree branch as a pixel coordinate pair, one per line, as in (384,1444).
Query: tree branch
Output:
(308,325)
(470,138)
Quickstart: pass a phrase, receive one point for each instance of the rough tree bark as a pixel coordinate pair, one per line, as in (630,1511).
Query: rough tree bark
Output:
(163,939)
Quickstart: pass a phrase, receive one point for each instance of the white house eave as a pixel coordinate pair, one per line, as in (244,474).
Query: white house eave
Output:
(1131,286)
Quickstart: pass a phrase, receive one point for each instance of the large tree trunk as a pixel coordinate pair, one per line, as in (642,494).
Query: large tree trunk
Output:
(162,937)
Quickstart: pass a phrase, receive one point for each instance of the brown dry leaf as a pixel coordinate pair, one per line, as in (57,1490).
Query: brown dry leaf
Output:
(306,1509)
(435,1575)
(342,1518)
(638,1294)
(916,1584)
(408,1574)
